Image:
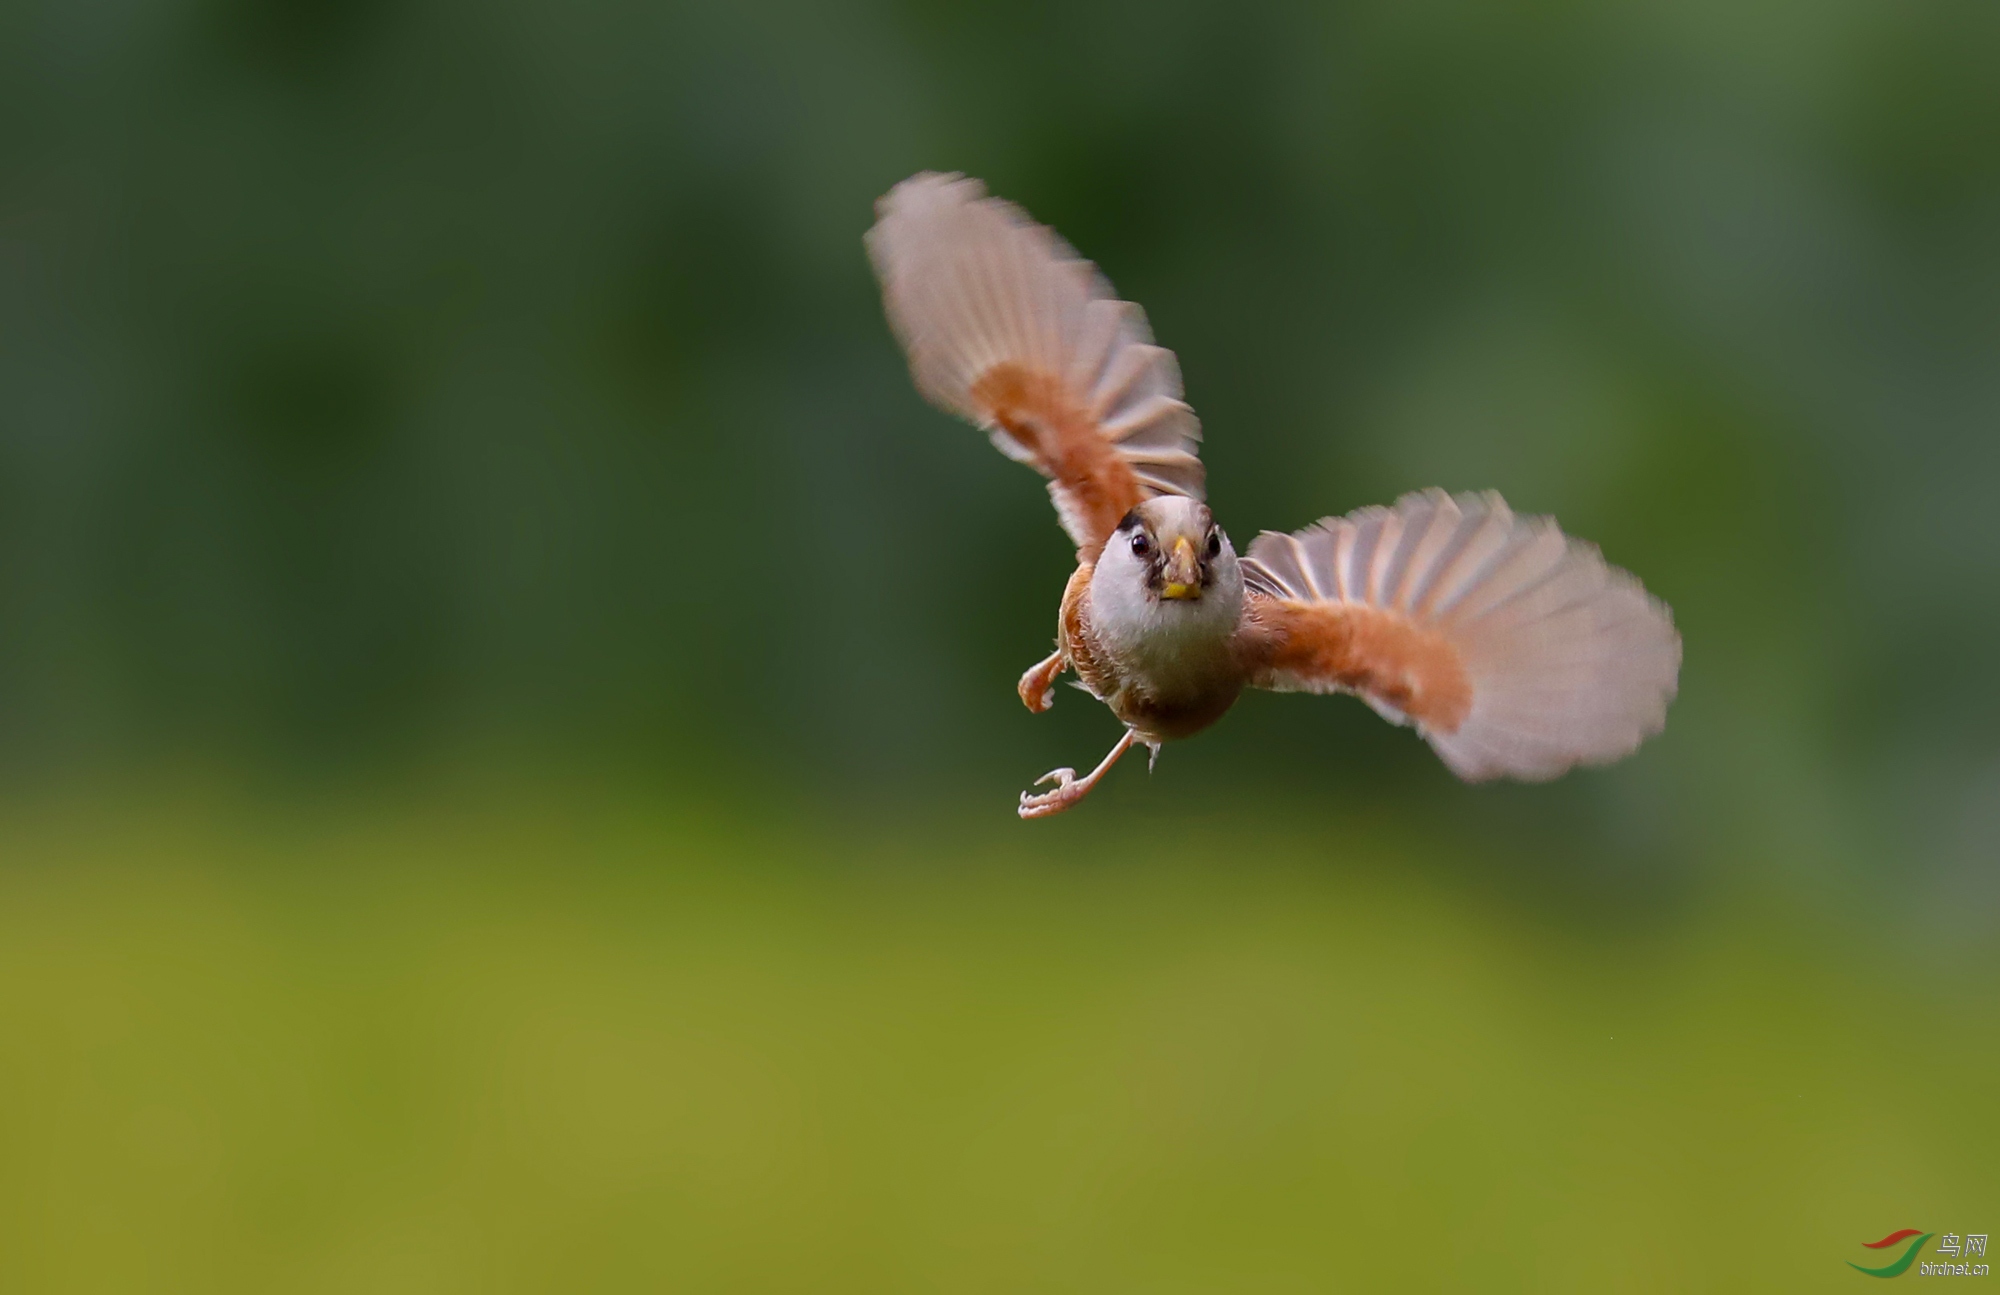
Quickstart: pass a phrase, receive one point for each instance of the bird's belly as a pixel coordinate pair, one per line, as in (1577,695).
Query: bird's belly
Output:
(1162,705)
(1168,717)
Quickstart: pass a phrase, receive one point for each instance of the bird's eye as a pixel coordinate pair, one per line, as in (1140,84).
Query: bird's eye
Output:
(1214,543)
(1141,546)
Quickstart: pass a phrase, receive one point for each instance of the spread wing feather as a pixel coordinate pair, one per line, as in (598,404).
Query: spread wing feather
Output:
(1515,650)
(1008,328)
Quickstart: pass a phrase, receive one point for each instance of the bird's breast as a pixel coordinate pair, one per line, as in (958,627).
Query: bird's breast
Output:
(1166,670)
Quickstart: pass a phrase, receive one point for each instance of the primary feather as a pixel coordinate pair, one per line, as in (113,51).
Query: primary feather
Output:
(1516,650)
(1007,327)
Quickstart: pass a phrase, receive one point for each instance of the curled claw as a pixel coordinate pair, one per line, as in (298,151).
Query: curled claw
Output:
(1048,802)
(1069,788)
(1038,685)
(1065,794)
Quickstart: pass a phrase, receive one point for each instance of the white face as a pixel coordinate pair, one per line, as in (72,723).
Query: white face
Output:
(1171,548)
(1168,569)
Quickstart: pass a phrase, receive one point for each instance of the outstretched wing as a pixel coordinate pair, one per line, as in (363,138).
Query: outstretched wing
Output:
(1007,327)
(1515,650)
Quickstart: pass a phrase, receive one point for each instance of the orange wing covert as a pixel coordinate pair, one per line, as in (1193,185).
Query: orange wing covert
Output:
(1412,669)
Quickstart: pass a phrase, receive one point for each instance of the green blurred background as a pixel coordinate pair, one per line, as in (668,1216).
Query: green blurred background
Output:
(507,731)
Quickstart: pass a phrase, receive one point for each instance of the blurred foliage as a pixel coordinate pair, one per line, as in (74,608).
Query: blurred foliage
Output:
(393,379)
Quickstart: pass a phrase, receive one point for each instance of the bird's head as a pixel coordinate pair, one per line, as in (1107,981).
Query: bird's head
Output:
(1172,549)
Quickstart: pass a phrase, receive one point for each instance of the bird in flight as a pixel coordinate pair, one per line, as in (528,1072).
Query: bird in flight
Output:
(1514,650)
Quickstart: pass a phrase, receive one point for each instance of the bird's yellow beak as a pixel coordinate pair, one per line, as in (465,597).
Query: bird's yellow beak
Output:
(1182,577)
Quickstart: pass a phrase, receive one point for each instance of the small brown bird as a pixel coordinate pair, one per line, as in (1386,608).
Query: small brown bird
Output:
(1514,650)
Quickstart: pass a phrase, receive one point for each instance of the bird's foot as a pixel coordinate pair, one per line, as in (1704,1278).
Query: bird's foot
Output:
(1068,790)
(1038,685)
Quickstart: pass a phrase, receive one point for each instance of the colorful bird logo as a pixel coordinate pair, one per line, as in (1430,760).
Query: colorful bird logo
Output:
(1901,1266)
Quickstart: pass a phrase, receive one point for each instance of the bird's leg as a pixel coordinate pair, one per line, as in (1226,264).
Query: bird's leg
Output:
(1038,686)
(1069,788)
